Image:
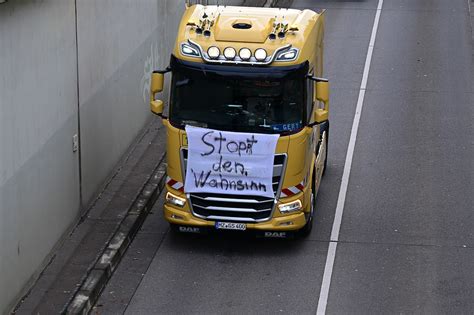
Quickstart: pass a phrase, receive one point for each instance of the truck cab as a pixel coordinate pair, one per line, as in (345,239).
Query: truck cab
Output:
(256,70)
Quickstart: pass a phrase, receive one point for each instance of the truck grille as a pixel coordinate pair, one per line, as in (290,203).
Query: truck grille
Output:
(238,208)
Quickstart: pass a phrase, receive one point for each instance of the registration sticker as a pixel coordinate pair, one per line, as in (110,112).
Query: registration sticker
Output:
(231,226)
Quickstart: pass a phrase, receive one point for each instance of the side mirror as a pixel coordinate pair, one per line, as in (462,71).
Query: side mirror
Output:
(322,93)
(320,115)
(321,88)
(156,82)
(156,86)
(157,107)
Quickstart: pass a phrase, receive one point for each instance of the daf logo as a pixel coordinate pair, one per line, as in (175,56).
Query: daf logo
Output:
(275,234)
(188,229)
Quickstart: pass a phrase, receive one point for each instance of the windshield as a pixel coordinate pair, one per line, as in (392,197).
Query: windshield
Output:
(264,101)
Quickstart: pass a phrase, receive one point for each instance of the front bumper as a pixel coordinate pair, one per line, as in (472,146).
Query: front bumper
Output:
(288,222)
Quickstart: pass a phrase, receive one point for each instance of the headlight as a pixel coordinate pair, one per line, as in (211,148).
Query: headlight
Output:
(188,50)
(260,54)
(175,200)
(288,55)
(245,54)
(229,53)
(213,52)
(290,206)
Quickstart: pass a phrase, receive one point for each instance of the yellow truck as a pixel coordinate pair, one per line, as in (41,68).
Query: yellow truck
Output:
(252,71)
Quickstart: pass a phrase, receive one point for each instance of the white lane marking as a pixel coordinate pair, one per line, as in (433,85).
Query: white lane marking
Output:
(328,268)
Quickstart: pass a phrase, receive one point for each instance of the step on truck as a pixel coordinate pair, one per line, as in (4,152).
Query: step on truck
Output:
(247,122)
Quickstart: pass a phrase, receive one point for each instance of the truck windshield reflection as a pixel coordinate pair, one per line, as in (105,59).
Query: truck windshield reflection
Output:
(237,101)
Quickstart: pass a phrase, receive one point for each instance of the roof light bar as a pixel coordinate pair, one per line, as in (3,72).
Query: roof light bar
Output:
(245,56)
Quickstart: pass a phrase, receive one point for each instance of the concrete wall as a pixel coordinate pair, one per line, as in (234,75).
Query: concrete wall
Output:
(42,100)
(39,173)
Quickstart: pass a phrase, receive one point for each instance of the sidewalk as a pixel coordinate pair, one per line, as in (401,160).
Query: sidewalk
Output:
(119,210)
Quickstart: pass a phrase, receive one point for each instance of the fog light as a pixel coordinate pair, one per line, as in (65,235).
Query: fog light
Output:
(175,200)
(213,52)
(260,54)
(245,54)
(176,217)
(229,53)
(290,206)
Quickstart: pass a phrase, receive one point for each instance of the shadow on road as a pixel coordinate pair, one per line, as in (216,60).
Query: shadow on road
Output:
(230,244)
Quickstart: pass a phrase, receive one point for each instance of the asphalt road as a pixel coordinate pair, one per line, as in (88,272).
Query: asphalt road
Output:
(406,242)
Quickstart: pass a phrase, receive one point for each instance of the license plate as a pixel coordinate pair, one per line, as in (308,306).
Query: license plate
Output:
(231,226)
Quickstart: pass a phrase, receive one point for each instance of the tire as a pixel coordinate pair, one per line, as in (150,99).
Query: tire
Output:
(305,231)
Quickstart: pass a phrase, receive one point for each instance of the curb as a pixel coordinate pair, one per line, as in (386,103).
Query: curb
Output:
(99,274)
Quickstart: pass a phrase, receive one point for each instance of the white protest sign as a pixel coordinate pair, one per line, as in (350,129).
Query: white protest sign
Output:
(229,162)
